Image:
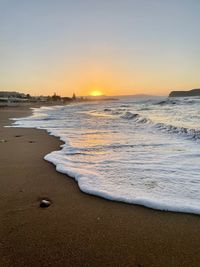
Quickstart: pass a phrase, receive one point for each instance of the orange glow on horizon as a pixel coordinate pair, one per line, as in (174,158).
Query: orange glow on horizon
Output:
(96,93)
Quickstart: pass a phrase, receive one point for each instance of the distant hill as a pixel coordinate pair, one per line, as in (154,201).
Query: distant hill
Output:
(193,92)
(142,95)
(138,96)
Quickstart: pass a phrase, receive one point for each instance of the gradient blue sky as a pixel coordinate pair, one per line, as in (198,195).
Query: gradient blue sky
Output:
(116,46)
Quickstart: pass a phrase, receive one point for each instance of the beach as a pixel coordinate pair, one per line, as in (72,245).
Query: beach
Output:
(77,229)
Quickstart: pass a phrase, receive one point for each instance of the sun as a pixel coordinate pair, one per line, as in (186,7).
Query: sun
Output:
(96,93)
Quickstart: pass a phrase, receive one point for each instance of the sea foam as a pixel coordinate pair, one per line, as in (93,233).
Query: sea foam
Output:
(132,151)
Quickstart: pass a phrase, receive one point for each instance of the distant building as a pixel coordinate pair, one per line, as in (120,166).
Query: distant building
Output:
(55,97)
(13,94)
(66,99)
(12,98)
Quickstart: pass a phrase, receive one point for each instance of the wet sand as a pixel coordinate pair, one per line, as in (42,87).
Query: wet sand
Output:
(77,229)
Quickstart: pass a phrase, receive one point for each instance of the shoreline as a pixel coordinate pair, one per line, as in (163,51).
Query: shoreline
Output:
(77,229)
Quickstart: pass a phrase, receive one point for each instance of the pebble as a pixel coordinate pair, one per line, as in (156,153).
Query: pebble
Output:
(44,203)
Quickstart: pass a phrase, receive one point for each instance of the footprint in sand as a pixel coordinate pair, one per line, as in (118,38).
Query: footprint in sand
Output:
(18,135)
(31,141)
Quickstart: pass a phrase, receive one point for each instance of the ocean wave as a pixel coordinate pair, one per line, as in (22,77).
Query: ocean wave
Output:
(129,115)
(167,102)
(135,117)
(88,183)
(124,157)
(179,101)
(186,132)
(183,131)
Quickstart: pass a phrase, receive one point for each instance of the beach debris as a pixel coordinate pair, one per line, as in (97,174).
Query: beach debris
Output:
(44,203)
(3,141)
(31,141)
(18,135)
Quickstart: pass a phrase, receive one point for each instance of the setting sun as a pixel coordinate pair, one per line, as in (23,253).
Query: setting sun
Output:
(96,93)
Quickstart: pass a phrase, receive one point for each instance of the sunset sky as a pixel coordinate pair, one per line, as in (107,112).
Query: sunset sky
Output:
(117,47)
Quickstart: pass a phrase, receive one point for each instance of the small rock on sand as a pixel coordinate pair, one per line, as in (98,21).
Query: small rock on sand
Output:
(44,203)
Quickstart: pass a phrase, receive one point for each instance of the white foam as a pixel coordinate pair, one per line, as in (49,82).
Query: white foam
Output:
(127,156)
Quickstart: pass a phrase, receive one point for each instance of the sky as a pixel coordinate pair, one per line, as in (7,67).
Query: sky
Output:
(117,47)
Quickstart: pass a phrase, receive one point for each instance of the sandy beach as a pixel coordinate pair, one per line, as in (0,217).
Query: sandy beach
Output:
(77,229)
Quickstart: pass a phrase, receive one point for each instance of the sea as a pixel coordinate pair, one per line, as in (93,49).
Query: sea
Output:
(137,150)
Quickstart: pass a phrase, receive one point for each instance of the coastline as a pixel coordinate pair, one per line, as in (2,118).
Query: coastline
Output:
(77,229)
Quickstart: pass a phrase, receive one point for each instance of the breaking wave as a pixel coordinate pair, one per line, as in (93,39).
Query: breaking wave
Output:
(135,152)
